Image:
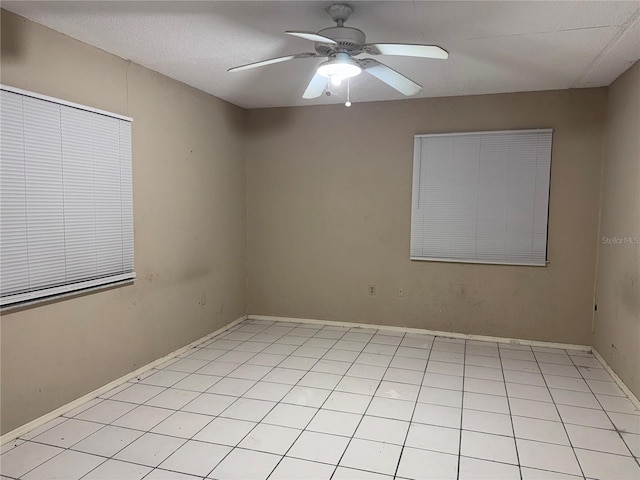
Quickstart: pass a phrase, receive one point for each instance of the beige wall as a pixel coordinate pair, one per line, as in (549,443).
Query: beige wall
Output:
(329,204)
(617,322)
(190,227)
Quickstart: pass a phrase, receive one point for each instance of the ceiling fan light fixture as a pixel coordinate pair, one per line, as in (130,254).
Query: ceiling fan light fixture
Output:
(339,68)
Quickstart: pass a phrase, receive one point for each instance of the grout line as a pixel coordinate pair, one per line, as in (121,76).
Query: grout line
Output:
(606,412)
(564,427)
(464,371)
(513,430)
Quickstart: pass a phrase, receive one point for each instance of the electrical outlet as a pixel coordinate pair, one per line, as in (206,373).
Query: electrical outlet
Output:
(400,291)
(203,298)
(372,290)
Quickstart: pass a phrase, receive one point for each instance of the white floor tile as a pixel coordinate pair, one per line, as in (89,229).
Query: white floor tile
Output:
(107,441)
(528,392)
(319,447)
(475,469)
(362,386)
(209,404)
(605,388)
(115,469)
(81,408)
(366,371)
(182,424)
(197,382)
(382,349)
(164,378)
(288,376)
(137,393)
(566,383)
(270,439)
(143,418)
(206,354)
(320,380)
(488,447)
(526,378)
(195,458)
(487,422)
(617,404)
(248,409)
(372,456)
(331,366)
(422,464)
(159,474)
(633,442)
(533,409)
(243,464)
(487,403)
(485,373)
(482,361)
(607,466)
(445,368)
(440,396)
(343,344)
(266,359)
(320,342)
(437,380)
(407,363)
(535,474)
(341,355)
(402,375)
(437,415)
(68,433)
(280,349)
(390,408)
(595,374)
(587,417)
(517,354)
(225,431)
(335,423)
(520,365)
(187,365)
(234,387)
(273,392)
(576,399)
(398,391)
(296,469)
(382,430)
(374,359)
(25,457)
(150,449)
(546,456)
(434,438)
(607,441)
(250,372)
(488,387)
(172,398)
(294,416)
(627,423)
(540,430)
(41,429)
(306,396)
(298,363)
(69,465)
(347,402)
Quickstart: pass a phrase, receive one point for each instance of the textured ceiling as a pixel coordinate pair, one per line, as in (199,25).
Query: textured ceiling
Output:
(494,46)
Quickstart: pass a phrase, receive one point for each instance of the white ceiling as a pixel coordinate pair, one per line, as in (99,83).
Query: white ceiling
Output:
(494,46)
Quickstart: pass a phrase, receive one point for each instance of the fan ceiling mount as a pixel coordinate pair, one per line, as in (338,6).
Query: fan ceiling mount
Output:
(341,45)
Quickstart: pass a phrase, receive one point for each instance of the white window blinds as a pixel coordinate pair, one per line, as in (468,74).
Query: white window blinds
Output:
(481,197)
(66,213)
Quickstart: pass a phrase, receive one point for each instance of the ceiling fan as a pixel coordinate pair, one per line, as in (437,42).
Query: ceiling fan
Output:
(341,45)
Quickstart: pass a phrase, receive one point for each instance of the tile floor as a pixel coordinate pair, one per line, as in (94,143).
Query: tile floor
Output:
(298,401)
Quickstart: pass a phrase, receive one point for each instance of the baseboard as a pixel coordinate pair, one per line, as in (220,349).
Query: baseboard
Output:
(9,436)
(465,336)
(617,379)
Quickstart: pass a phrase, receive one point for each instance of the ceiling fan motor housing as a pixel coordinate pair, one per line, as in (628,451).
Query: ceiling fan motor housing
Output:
(349,40)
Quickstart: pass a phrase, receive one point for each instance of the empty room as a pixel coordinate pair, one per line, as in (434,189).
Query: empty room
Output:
(320,240)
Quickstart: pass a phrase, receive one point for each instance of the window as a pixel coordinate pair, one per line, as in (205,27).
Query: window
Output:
(481,197)
(66,217)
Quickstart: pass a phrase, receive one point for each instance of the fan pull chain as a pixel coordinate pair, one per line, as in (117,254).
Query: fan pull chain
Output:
(348,102)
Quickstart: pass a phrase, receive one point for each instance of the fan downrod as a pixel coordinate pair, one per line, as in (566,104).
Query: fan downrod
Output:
(339,12)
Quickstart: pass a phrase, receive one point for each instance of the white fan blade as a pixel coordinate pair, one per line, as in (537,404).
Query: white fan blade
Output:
(390,77)
(314,37)
(407,50)
(316,86)
(271,61)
